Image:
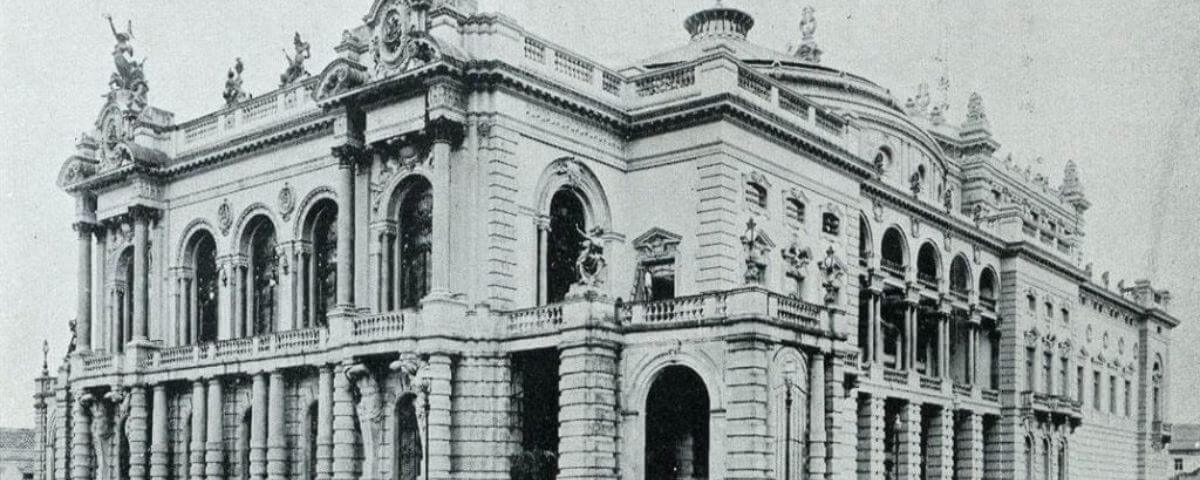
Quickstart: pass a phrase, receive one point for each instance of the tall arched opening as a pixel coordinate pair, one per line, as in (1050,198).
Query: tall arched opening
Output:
(677,424)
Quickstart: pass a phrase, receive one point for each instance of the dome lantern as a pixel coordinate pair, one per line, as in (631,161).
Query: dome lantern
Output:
(719,22)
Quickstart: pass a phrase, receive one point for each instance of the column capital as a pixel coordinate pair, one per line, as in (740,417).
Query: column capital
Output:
(443,130)
(84,228)
(349,154)
(143,213)
(542,222)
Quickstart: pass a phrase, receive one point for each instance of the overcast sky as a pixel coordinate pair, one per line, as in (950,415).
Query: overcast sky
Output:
(1113,84)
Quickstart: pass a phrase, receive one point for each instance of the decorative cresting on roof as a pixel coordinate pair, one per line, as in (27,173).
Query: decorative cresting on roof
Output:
(719,22)
(806,49)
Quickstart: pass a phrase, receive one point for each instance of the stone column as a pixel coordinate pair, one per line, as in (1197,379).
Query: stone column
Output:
(100,317)
(968,446)
(81,438)
(344,456)
(214,449)
(83,310)
(258,427)
(972,351)
(943,342)
(909,458)
(199,425)
(543,230)
(910,335)
(877,324)
(940,465)
(439,419)
(587,410)
(277,454)
(137,432)
(159,460)
(324,470)
(746,436)
(141,273)
(870,437)
(347,157)
(817,450)
(443,134)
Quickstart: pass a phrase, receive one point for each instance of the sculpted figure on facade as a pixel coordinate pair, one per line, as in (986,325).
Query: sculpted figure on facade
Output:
(129,75)
(233,84)
(590,263)
(295,69)
(757,247)
(834,271)
(101,435)
(797,257)
(806,49)
(369,407)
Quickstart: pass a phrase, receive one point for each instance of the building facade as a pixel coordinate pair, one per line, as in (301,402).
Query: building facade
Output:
(18,453)
(461,250)
(1185,451)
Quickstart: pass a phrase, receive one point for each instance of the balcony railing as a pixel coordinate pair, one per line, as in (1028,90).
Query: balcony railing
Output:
(892,266)
(931,383)
(962,389)
(241,349)
(544,319)
(927,279)
(988,303)
(990,395)
(379,326)
(717,306)
(898,377)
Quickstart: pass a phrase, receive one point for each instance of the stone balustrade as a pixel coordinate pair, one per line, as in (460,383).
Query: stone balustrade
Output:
(536,320)
(272,108)
(721,306)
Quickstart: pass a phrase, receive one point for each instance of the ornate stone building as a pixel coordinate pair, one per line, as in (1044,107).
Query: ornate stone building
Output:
(461,250)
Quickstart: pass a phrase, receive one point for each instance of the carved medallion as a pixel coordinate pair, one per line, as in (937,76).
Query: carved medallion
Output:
(287,201)
(225,217)
(877,210)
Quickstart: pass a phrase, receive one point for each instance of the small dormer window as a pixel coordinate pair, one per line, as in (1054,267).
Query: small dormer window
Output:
(795,210)
(830,223)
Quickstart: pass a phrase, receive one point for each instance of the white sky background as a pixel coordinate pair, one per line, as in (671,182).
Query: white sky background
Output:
(1113,84)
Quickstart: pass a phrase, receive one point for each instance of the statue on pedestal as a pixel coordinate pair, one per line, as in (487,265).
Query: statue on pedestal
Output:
(233,85)
(590,264)
(295,69)
(129,75)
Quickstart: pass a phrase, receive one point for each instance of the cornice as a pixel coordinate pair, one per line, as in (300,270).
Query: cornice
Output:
(875,189)
(298,128)
(1022,248)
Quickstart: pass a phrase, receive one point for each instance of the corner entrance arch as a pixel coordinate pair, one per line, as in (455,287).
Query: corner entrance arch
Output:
(677,426)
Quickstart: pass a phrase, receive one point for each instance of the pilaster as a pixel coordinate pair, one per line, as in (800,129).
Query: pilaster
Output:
(748,455)
(258,426)
(909,459)
(199,429)
(214,449)
(277,454)
(870,437)
(968,446)
(81,438)
(940,465)
(818,465)
(587,410)
(439,419)
(344,465)
(159,462)
(324,469)
(137,432)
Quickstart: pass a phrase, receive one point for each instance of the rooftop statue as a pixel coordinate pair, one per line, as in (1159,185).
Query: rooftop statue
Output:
(129,75)
(295,70)
(807,49)
(233,85)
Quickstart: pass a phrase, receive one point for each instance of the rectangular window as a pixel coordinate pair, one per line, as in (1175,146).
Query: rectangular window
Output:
(1112,394)
(1029,370)
(1066,315)
(1127,409)
(1096,390)
(1066,369)
(1079,384)
(1048,371)
(1178,464)
(1032,305)
(1049,310)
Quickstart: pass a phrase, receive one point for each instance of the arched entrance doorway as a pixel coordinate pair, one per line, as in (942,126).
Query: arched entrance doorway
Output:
(677,436)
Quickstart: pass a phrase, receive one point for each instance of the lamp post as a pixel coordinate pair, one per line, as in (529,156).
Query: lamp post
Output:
(788,372)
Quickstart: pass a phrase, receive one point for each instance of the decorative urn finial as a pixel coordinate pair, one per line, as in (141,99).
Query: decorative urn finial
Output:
(719,21)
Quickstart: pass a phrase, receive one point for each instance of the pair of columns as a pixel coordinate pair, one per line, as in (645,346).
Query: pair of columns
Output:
(140,217)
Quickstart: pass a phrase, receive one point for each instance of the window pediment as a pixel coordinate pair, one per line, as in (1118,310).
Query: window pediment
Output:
(656,244)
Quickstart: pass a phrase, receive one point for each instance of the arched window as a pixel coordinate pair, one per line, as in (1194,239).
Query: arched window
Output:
(677,411)
(199,310)
(568,221)
(1028,458)
(864,241)
(261,275)
(407,449)
(413,252)
(883,159)
(892,253)
(987,288)
(320,269)
(927,265)
(960,276)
